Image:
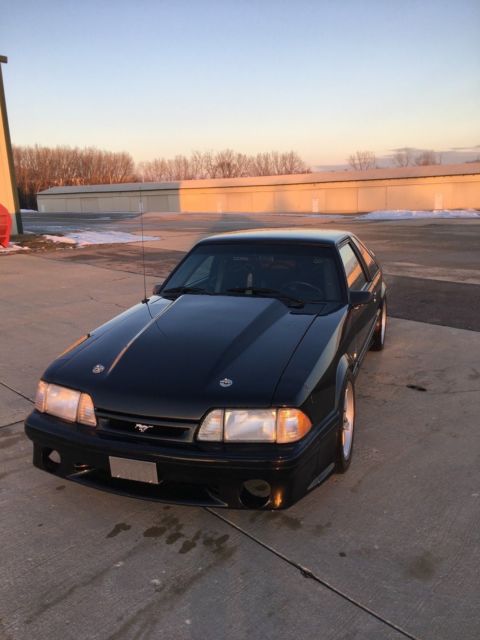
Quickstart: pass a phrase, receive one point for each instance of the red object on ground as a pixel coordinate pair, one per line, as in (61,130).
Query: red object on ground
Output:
(5,226)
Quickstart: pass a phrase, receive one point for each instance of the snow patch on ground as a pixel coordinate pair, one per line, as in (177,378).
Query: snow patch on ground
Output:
(12,248)
(86,238)
(407,214)
(63,239)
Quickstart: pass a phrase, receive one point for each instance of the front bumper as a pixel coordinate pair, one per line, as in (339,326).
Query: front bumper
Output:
(186,475)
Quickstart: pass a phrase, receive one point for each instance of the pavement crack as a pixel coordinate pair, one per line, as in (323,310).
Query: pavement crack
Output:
(19,393)
(308,573)
(115,304)
(11,424)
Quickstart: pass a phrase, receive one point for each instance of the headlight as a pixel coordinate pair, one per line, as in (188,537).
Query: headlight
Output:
(249,426)
(254,425)
(64,403)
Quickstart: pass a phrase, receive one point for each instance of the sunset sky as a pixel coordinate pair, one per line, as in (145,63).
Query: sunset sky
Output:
(324,78)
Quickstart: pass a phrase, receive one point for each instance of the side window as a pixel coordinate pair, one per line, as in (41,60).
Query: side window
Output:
(368,258)
(355,275)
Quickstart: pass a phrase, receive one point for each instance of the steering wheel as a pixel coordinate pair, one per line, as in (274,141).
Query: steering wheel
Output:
(303,285)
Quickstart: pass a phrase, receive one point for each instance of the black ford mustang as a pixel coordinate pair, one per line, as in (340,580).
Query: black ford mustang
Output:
(233,385)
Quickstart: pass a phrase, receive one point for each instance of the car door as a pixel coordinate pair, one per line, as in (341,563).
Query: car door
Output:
(362,318)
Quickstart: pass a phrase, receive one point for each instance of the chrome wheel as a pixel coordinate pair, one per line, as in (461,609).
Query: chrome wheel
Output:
(383,323)
(348,421)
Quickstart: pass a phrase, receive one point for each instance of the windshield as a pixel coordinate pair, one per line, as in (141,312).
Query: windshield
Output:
(298,273)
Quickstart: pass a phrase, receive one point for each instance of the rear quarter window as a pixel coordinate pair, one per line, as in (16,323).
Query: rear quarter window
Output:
(356,278)
(367,258)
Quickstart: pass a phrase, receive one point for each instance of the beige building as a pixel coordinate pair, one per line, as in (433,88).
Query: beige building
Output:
(344,192)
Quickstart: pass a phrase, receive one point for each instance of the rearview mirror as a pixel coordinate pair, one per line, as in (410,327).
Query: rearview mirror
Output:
(157,289)
(360,298)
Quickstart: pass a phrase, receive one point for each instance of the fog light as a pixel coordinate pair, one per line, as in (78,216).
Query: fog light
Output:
(54,457)
(51,459)
(255,494)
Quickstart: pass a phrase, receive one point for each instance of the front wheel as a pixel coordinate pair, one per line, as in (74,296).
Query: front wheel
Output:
(378,340)
(347,428)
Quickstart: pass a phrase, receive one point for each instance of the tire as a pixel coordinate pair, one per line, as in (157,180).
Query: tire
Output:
(378,340)
(346,430)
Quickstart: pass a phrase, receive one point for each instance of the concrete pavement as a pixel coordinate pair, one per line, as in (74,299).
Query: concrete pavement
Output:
(389,550)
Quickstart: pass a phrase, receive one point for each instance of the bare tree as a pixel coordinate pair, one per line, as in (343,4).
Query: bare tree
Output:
(362,160)
(262,164)
(403,157)
(428,157)
(153,171)
(290,162)
(222,164)
(227,164)
(209,164)
(38,168)
(180,168)
(197,161)
(275,163)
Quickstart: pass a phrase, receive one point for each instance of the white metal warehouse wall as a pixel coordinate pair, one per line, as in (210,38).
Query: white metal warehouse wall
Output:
(349,192)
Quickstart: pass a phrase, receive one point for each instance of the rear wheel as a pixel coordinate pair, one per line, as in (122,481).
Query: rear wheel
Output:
(347,428)
(378,339)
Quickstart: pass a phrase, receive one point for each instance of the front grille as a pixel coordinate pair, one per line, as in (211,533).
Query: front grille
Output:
(124,427)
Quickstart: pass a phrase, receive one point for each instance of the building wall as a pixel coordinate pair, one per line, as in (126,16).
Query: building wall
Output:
(6,192)
(444,192)
(8,195)
(452,192)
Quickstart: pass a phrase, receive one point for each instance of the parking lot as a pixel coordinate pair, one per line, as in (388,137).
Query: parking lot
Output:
(390,550)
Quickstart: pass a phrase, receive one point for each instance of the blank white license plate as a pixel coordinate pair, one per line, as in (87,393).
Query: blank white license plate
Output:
(137,470)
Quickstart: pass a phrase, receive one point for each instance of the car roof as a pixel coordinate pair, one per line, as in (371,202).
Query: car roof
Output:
(294,234)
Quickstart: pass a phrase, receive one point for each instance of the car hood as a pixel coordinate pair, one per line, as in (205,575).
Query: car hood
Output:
(167,359)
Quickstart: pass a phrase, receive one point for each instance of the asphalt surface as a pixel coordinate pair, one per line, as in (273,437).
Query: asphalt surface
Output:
(37,222)
(431,266)
(390,550)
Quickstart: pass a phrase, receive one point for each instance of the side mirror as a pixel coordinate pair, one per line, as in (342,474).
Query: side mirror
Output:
(157,288)
(360,298)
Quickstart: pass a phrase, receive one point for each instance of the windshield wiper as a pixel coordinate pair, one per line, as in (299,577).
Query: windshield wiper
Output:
(274,293)
(180,290)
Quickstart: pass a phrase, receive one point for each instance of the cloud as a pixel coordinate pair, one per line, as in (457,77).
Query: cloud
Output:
(453,155)
(472,148)
(404,149)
